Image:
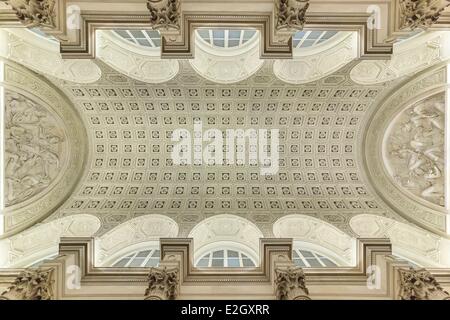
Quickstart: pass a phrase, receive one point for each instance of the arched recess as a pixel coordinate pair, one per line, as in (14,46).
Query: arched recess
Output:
(133,235)
(42,240)
(410,242)
(312,63)
(45,148)
(138,62)
(409,56)
(226,65)
(41,54)
(319,236)
(226,231)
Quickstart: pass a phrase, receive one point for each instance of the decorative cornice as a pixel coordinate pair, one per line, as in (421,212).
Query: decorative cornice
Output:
(164,14)
(162,284)
(290,284)
(420,284)
(31,284)
(290,14)
(420,13)
(34,13)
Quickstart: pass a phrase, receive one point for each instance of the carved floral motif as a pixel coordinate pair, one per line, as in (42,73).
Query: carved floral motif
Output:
(290,284)
(420,13)
(415,149)
(32,284)
(33,13)
(419,284)
(33,148)
(164,14)
(290,14)
(162,284)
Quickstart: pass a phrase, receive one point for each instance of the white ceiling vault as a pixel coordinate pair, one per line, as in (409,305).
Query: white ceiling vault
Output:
(130,170)
(336,127)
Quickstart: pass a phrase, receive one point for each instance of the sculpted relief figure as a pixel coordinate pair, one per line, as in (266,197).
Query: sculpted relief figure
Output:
(164,14)
(33,148)
(415,149)
(290,14)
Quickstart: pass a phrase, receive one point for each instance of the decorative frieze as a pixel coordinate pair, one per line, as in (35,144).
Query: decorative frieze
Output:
(164,14)
(31,284)
(420,13)
(34,13)
(162,284)
(419,284)
(290,284)
(290,14)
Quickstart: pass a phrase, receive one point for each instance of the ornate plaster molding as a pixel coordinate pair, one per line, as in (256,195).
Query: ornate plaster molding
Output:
(410,56)
(25,213)
(420,13)
(420,284)
(31,284)
(226,65)
(141,229)
(413,208)
(311,64)
(408,241)
(162,284)
(40,54)
(42,240)
(143,64)
(315,231)
(290,284)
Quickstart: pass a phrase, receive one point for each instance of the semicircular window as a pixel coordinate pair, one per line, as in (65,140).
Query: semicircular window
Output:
(305,39)
(145,38)
(40,33)
(310,259)
(226,38)
(143,258)
(225,258)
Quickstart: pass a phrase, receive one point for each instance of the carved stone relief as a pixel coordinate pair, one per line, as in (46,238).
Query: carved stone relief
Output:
(290,284)
(164,14)
(290,14)
(35,148)
(31,284)
(420,13)
(34,13)
(162,284)
(414,149)
(419,284)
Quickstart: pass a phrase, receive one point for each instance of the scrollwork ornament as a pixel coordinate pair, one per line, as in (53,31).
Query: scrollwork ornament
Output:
(290,14)
(164,14)
(34,13)
(290,284)
(162,284)
(31,284)
(420,13)
(419,284)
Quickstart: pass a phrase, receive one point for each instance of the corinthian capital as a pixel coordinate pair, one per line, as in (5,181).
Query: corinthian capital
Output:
(419,284)
(290,284)
(164,14)
(420,13)
(162,284)
(290,14)
(32,284)
(34,13)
